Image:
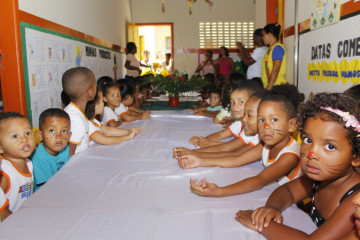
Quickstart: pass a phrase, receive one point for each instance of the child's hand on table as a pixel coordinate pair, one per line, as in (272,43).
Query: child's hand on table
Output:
(136,130)
(244,217)
(188,161)
(145,116)
(204,188)
(262,216)
(180,151)
(194,140)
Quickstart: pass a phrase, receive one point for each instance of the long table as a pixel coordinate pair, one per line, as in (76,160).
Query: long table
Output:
(136,191)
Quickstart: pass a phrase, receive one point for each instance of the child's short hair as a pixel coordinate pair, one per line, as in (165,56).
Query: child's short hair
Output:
(210,78)
(258,81)
(126,89)
(342,102)
(10,115)
(215,90)
(289,91)
(74,81)
(249,86)
(262,94)
(52,112)
(236,78)
(287,105)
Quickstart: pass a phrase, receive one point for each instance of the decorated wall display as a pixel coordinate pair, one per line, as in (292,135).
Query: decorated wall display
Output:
(47,55)
(324,12)
(329,57)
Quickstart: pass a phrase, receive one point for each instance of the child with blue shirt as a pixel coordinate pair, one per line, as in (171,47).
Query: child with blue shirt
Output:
(53,152)
(215,105)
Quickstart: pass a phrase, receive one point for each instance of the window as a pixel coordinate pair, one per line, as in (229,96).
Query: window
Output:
(217,34)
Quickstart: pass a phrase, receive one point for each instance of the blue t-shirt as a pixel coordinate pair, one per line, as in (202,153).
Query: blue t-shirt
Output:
(46,165)
(278,53)
(214,109)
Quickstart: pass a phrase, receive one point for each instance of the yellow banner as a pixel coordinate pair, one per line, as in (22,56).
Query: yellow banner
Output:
(344,71)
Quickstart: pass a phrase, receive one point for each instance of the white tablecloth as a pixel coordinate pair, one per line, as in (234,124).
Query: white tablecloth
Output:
(136,190)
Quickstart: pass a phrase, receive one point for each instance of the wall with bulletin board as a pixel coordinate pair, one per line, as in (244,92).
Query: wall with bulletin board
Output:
(48,54)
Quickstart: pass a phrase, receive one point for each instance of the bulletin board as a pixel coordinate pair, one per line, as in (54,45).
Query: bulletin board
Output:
(48,54)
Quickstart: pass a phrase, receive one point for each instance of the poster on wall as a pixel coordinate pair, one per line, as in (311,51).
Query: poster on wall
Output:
(324,12)
(329,57)
(49,55)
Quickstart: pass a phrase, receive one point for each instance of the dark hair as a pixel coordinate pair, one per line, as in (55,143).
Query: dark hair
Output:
(168,54)
(102,81)
(90,106)
(10,115)
(236,78)
(354,92)
(258,32)
(262,94)
(209,52)
(258,80)
(215,90)
(107,86)
(52,112)
(291,92)
(313,108)
(126,89)
(65,99)
(249,86)
(287,105)
(210,78)
(130,46)
(274,29)
(226,51)
(75,81)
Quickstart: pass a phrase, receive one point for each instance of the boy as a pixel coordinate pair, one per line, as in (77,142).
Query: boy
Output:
(16,145)
(53,152)
(80,85)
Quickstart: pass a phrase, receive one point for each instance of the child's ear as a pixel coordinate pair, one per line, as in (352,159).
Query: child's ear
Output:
(292,125)
(39,135)
(355,161)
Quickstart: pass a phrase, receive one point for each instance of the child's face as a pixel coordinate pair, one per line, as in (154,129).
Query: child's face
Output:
(113,97)
(16,139)
(249,120)
(55,134)
(325,152)
(356,201)
(99,105)
(274,124)
(128,101)
(205,95)
(214,99)
(238,99)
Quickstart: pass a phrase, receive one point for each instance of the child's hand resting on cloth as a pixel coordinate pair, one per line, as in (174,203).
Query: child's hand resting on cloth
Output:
(204,188)
(188,161)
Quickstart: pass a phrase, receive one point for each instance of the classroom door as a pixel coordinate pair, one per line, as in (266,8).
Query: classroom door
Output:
(133,36)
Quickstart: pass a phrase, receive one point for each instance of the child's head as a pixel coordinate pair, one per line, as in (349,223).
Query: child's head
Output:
(127,93)
(54,126)
(249,121)
(131,48)
(79,83)
(354,92)
(276,119)
(291,92)
(215,97)
(101,82)
(16,138)
(111,93)
(205,92)
(236,78)
(330,131)
(210,78)
(96,106)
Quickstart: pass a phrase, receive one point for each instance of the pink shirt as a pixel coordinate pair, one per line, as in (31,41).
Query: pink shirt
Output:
(225,67)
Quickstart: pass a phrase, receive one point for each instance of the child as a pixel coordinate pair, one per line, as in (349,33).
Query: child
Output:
(80,86)
(97,130)
(280,153)
(127,99)
(238,97)
(53,151)
(213,109)
(112,98)
(329,152)
(356,202)
(16,145)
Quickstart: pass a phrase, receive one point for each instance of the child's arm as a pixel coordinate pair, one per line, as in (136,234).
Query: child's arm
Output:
(114,123)
(270,174)
(72,148)
(206,113)
(100,138)
(252,155)
(118,131)
(129,117)
(5,212)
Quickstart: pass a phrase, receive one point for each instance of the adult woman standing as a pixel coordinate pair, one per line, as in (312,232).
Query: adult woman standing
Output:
(208,65)
(132,64)
(273,65)
(226,64)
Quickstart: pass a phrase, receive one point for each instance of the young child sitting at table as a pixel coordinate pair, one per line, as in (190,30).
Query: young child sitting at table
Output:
(4,204)
(240,93)
(213,109)
(80,86)
(112,99)
(53,151)
(124,110)
(329,152)
(280,152)
(16,145)
(98,132)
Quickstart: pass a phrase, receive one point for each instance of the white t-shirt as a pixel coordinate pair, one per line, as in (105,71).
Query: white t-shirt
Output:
(292,147)
(94,126)
(254,69)
(168,68)
(235,128)
(133,62)
(252,140)
(109,115)
(4,201)
(121,109)
(79,127)
(20,185)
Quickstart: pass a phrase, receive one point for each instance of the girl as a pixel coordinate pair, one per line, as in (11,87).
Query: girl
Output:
(98,132)
(280,152)
(112,98)
(356,202)
(132,65)
(329,152)
(209,65)
(273,65)
(226,64)
(213,109)
(124,110)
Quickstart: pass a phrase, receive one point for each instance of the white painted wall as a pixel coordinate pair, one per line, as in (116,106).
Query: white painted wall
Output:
(260,13)
(186,26)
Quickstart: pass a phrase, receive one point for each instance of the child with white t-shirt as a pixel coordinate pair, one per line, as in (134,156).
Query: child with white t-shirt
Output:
(79,85)
(112,99)
(17,142)
(103,134)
